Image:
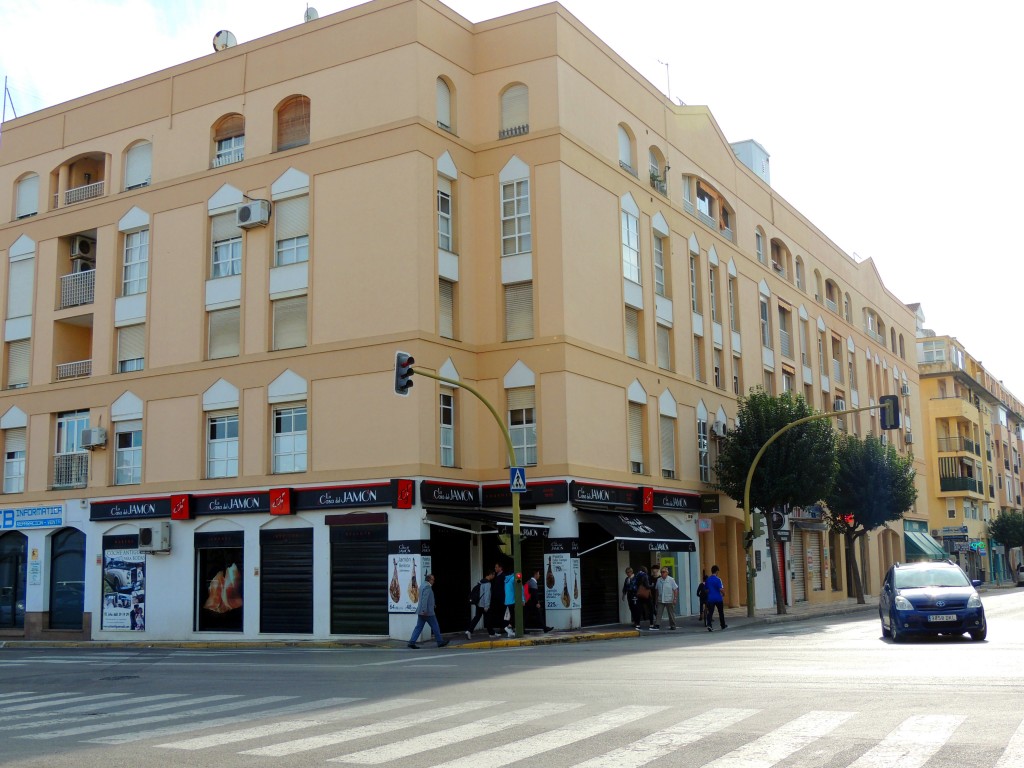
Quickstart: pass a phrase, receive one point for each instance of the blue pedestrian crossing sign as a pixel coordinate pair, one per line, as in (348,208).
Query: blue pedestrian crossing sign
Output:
(517,479)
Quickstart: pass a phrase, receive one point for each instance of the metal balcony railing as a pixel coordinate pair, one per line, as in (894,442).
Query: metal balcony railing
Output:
(831,305)
(515,130)
(960,484)
(688,206)
(873,334)
(74,370)
(227,157)
(71,470)
(707,220)
(80,194)
(659,184)
(77,288)
(728,234)
(954,444)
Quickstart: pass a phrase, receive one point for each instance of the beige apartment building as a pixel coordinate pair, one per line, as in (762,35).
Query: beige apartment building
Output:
(973,439)
(208,272)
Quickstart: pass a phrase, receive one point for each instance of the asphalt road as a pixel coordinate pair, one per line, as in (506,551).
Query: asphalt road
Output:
(828,693)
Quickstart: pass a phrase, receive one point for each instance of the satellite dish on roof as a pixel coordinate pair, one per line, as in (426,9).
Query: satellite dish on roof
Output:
(311,14)
(223,39)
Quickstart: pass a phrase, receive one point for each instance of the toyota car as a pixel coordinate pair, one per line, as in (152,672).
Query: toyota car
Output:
(930,599)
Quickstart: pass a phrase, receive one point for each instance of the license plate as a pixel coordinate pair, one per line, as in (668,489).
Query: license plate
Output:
(942,617)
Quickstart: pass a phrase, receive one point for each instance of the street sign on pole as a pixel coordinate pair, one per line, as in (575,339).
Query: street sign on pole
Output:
(517,479)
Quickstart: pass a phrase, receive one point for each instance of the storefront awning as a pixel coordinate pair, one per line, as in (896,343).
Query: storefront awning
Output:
(920,544)
(530,525)
(647,532)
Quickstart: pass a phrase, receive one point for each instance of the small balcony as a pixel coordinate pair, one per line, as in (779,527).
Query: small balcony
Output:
(81,194)
(70,470)
(227,157)
(954,484)
(874,335)
(76,370)
(77,288)
(659,184)
(955,445)
(515,130)
(831,305)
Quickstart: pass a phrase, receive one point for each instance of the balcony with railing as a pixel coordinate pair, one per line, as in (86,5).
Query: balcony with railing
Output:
(954,407)
(874,335)
(77,288)
(831,304)
(229,156)
(957,484)
(515,130)
(955,445)
(79,194)
(659,184)
(70,470)
(75,370)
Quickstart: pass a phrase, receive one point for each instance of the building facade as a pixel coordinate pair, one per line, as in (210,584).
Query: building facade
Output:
(208,272)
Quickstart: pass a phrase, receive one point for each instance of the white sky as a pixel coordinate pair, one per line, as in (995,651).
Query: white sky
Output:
(892,126)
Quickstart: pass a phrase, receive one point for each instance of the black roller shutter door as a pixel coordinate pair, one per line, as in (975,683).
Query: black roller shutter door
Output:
(286,581)
(599,577)
(359,580)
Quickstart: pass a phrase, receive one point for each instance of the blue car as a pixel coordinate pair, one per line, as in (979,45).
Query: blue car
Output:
(930,599)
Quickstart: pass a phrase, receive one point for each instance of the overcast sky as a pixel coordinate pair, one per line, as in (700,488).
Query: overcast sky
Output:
(893,126)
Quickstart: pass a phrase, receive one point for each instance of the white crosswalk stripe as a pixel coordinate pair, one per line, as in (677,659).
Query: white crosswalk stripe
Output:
(322,718)
(11,724)
(478,729)
(1013,755)
(374,729)
(57,702)
(664,742)
(783,741)
(912,744)
(539,743)
(135,711)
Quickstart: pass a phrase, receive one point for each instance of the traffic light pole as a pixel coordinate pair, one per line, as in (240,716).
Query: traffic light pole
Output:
(748,513)
(516,545)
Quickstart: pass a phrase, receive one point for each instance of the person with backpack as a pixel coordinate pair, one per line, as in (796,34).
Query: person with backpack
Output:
(702,595)
(480,600)
(644,594)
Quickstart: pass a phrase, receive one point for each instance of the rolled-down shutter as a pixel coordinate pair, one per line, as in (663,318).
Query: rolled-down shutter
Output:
(131,343)
(668,446)
(28,197)
(138,165)
(286,581)
(225,329)
(229,127)
(223,227)
(446,319)
(290,323)
(515,104)
(518,311)
(444,104)
(292,217)
(636,435)
(18,359)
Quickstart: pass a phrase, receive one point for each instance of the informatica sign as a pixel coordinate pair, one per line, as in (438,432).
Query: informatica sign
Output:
(32,517)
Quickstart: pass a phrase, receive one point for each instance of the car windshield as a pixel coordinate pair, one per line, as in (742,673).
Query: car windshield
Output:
(915,578)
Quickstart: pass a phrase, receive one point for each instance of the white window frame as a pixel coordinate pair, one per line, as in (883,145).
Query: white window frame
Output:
(446,415)
(135,268)
(14,460)
(222,450)
(766,324)
(759,245)
(668,447)
(227,257)
(694,293)
(630,247)
(516,237)
(290,438)
(713,290)
(128,453)
(444,218)
(69,432)
(659,265)
(703,455)
(230,150)
(522,428)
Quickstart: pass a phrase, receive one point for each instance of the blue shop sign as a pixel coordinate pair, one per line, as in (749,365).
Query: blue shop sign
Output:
(32,517)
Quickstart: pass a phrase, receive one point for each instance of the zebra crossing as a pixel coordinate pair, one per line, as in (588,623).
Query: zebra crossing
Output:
(424,731)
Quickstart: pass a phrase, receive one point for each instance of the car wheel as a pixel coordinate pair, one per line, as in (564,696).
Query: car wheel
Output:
(885,631)
(980,634)
(897,635)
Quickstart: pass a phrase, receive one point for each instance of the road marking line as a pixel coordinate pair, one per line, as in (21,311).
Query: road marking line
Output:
(1013,755)
(216,740)
(55,702)
(663,742)
(783,741)
(139,711)
(373,729)
(560,737)
(292,709)
(477,729)
(912,743)
(90,709)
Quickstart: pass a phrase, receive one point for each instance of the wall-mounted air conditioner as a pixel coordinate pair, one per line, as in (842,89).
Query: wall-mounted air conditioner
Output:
(253,214)
(94,437)
(719,429)
(83,247)
(908,438)
(905,390)
(155,537)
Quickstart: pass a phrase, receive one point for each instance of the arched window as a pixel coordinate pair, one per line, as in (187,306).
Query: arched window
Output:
(67,579)
(229,140)
(657,168)
(626,149)
(26,196)
(798,270)
(13,563)
(902,349)
(515,111)
(892,339)
(138,165)
(444,105)
(847,308)
(292,123)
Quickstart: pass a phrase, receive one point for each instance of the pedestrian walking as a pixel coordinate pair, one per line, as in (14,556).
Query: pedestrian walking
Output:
(702,595)
(480,600)
(425,614)
(509,616)
(716,599)
(644,592)
(535,612)
(629,595)
(494,618)
(666,590)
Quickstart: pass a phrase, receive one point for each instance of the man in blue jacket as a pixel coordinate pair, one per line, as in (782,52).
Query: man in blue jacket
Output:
(715,598)
(426,615)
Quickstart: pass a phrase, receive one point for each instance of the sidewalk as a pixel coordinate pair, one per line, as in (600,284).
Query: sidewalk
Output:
(736,619)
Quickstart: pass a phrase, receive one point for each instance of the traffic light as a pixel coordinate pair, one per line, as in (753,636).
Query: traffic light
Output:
(890,411)
(748,539)
(758,525)
(403,373)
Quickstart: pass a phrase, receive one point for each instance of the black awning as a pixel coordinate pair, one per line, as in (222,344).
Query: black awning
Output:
(641,532)
(490,516)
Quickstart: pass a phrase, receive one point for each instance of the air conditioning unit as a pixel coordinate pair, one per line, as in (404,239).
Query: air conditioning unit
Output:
(908,438)
(719,429)
(155,537)
(95,437)
(253,214)
(905,390)
(839,405)
(776,266)
(83,247)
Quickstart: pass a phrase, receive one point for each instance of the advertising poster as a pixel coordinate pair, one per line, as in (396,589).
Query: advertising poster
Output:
(124,590)
(220,599)
(407,566)
(561,581)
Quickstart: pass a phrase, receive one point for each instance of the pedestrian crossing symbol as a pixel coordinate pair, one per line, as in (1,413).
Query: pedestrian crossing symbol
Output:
(517,479)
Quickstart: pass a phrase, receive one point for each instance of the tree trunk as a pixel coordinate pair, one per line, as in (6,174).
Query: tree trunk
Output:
(780,604)
(851,559)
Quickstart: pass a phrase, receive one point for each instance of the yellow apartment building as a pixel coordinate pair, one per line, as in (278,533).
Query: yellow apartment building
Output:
(207,273)
(973,430)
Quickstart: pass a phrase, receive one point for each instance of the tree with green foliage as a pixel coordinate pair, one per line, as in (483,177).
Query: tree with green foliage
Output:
(796,470)
(1008,530)
(874,485)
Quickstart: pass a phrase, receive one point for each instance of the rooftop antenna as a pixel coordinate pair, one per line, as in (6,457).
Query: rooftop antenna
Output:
(311,14)
(668,78)
(223,39)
